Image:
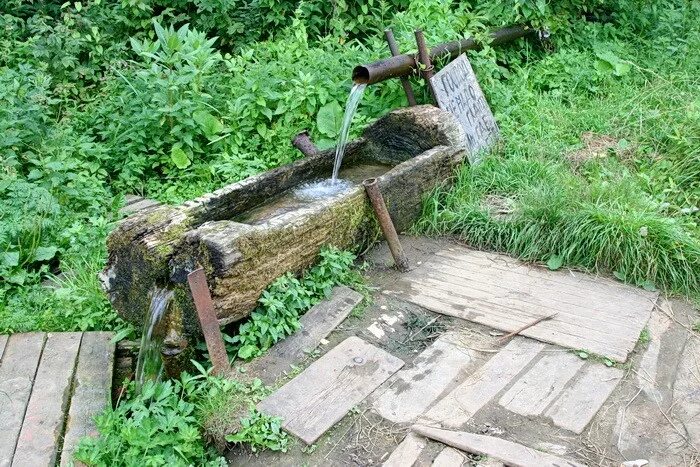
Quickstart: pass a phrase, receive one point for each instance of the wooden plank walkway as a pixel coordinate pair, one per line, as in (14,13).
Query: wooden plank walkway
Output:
(592,313)
(51,387)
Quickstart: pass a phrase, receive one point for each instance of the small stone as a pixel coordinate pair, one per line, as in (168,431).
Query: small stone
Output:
(376,330)
(323,342)
(383,307)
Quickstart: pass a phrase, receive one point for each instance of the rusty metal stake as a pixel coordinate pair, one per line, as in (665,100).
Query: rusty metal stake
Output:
(426,69)
(387,226)
(302,141)
(208,321)
(394,48)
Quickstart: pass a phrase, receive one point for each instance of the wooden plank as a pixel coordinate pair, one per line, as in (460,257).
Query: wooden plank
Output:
(412,390)
(534,391)
(537,293)
(17,371)
(575,280)
(91,389)
(449,457)
(458,406)
(316,325)
(406,453)
(322,394)
(499,319)
(579,403)
(3,343)
(38,441)
(512,454)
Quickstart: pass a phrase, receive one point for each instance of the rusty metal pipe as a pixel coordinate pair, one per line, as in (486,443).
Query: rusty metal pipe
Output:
(394,48)
(426,68)
(197,280)
(302,141)
(387,226)
(406,64)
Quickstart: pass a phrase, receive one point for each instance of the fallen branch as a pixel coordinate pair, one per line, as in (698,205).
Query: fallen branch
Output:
(527,326)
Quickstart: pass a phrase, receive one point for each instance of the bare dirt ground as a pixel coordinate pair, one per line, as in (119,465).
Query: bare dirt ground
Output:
(652,414)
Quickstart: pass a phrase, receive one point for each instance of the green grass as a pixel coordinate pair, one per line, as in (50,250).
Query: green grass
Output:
(631,210)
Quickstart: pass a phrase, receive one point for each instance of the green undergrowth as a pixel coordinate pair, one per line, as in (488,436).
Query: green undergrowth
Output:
(599,163)
(164,423)
(284,301)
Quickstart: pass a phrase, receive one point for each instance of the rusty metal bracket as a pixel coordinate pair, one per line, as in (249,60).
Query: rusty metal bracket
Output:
(387,226)
(394,48)
(302,141)
(197,280)
(426,68)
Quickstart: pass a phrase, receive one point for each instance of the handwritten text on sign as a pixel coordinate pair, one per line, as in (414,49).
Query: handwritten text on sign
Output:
(457,91)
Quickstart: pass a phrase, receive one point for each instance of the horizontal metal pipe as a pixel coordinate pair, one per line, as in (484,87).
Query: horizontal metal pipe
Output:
(302,141)
(405,64)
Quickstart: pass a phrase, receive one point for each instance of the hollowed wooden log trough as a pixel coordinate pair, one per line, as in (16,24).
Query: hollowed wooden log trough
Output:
(247,234)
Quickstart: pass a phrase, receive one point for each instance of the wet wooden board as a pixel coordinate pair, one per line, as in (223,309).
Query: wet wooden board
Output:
(412,390)
(91,392)
(458,406)
(316,325)
(579,403)
(407,452)
(325,392)
(593,313)
(512,454)
(537,388)
(17,371)
(38,441)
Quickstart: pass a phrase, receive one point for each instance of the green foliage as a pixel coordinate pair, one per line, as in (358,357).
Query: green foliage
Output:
(158,426)
(261,432)
(287,298)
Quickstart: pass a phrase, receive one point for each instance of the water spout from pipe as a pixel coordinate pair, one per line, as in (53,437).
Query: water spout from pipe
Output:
(149,363)
(350,108)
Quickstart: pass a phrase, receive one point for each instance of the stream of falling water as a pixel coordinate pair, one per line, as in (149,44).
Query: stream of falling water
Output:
(150,364)
(350,109)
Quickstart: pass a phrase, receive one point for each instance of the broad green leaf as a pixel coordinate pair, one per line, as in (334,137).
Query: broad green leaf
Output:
(329,119)
(180,158)
(45,253)
(210,125)
(555,262)
(10,259)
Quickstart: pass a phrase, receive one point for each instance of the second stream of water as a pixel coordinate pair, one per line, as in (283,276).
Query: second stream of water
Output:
(149,365)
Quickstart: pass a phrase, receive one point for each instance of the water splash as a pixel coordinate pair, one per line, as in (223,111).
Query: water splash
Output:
(150,364)
(322,189)
(350,109)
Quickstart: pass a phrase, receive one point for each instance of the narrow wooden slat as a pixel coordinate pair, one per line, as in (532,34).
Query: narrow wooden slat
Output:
(17,372)
(407,452)
(512,454)
(458,406)
(449,457)
(39,439)
(91,389)
(316,325)
(535,390)
(579,403)
(323,394)
(413,390)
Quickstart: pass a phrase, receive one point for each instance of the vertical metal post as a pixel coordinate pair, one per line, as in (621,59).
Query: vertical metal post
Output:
(424,58)
(394,48)
(197,280)
(387,226)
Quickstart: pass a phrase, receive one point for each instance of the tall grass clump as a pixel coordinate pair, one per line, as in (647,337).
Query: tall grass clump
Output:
(539,210)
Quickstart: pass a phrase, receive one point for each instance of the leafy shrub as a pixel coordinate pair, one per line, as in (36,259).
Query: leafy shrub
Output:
(287,298)
(261,432)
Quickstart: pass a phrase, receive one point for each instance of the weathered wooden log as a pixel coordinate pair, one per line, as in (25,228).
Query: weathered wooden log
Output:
(245,236)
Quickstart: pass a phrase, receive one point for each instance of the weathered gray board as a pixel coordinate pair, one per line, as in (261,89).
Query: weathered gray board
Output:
(458,91)
(37,373)
(596,314)
(412,390)
(406,453)
(512,454)
(322,394)
(316,324)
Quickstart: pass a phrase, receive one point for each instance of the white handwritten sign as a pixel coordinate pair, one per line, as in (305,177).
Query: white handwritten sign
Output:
(457,91)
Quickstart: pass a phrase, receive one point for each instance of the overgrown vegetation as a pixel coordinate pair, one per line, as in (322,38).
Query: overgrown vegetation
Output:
(287,298)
